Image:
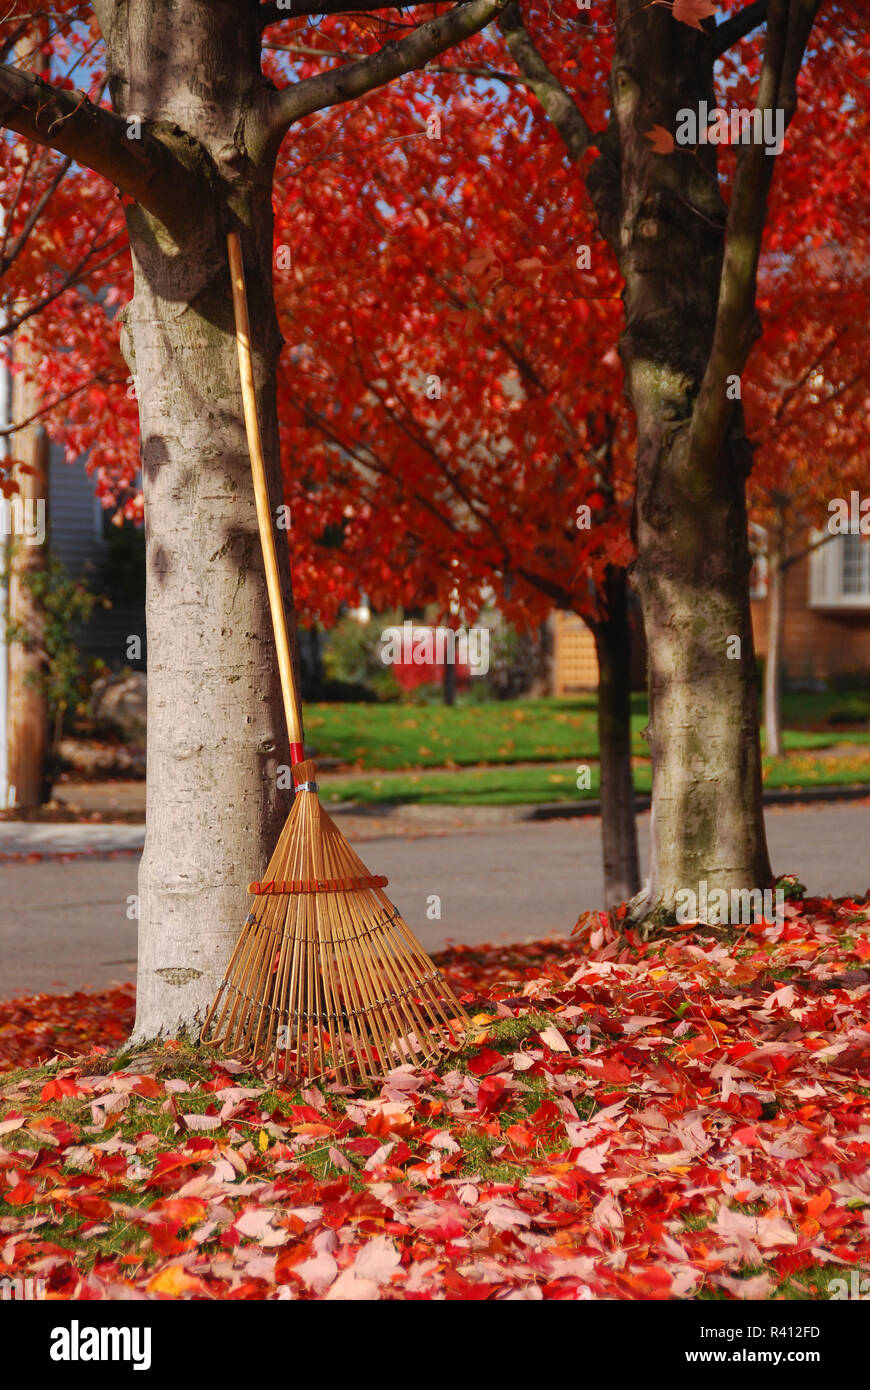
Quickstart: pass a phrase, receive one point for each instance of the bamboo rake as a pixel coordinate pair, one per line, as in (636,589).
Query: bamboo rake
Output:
(326,978)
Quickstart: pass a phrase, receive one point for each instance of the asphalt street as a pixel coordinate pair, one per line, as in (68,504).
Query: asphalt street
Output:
(64,924)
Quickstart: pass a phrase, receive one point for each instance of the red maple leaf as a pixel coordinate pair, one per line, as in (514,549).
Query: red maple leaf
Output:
(661,140)
(693,11)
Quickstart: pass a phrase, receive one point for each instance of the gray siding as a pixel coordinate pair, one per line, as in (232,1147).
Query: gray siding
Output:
(73,523)
(75,536)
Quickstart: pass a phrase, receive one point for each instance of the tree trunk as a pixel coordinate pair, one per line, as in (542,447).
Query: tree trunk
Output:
(216,730)
(190,144)
(692,574)
(448,683)
(28,710)
(618,830)
(776,572)
(662,214)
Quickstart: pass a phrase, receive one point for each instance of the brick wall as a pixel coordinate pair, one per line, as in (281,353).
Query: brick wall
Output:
(817,643)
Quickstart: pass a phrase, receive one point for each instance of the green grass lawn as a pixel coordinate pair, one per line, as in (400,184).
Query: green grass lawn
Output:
(393,736)
(511,786)
(398,737)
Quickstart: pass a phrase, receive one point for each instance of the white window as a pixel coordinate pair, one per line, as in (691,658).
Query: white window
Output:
(840,572)
(855,566)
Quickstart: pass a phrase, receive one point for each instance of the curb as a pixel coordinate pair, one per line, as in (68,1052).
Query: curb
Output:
(568,810)
(558,810)
(39,856)
(445,817)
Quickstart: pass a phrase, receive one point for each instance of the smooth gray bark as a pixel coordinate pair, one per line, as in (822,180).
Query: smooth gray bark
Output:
(215,724)
(198,160)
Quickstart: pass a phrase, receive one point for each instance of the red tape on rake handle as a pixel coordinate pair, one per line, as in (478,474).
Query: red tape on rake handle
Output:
(318,885)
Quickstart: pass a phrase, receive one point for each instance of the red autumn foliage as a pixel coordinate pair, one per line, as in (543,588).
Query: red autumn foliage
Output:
(629,1121)
(399,256)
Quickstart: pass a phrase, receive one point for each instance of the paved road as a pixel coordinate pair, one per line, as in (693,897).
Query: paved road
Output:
(65,926)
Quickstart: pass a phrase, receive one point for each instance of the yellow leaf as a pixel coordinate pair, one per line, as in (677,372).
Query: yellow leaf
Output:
(263,1141)
(173,1281)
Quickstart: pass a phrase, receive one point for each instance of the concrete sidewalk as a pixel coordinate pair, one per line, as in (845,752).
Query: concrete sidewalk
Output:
(20,838)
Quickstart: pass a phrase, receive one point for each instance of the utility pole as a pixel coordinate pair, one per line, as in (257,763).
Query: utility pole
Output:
(27,719)
(23,706)
(5,421)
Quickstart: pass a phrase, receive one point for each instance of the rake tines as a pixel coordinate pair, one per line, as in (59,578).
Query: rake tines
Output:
(326,977)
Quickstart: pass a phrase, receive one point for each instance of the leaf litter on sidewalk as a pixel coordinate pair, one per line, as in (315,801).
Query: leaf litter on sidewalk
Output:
(678,1119)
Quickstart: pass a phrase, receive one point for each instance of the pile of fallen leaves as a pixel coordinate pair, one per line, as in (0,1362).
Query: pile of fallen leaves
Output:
(49,1025)
(679,1119)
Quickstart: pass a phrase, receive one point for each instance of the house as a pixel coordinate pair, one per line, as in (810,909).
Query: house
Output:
(574,660)
(109,559)
(826,629)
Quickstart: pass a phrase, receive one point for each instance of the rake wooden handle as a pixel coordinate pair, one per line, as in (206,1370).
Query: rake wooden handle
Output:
(261,495)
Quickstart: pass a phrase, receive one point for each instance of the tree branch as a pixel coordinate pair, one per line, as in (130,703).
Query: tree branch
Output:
(393,60)
(275,14)
(101,377)
(556,101)
(788,31)
(738,25)
(792,388)
(794,557)
(9,325)
(11,39)
(34,215)
(510,79)
(145,168)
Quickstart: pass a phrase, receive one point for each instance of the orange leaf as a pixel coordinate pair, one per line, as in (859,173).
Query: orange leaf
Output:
(61,1088)
(184,1210)
(147,1086)
(520,1136)
(21,1194)
(816,1205)
(693,11)
(661,140)
(175,1281)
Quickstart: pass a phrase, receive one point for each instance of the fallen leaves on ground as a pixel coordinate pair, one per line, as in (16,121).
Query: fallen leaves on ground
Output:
(672,1120)
(32,1030)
